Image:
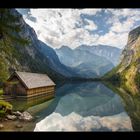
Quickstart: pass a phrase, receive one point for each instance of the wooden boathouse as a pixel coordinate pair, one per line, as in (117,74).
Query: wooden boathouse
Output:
(25,84)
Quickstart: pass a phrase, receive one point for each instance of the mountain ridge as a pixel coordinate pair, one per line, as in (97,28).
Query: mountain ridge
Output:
(86,61)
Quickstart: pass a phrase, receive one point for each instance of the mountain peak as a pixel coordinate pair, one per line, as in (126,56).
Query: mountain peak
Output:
(64,48)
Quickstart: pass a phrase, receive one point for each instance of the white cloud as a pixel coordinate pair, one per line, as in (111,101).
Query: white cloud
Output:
(58,27)
(131,15)
(122,27)
(90,11)
(91,25)
(118,34)
(114,39)
(124,12)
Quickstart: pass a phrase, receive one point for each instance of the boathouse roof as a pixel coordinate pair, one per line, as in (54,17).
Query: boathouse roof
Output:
(33,80)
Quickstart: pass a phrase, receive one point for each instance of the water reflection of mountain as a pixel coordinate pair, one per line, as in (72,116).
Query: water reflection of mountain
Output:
(85,106)
(84,98)
(131,102)
(89,99)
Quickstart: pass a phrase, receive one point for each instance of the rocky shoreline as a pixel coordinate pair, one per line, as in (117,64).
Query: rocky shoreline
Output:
(15,120)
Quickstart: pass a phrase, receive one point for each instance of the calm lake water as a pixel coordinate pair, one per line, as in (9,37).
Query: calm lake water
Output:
(86,106)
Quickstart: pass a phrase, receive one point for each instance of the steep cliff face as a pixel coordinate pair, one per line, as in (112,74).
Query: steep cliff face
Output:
(128,70)
(32,58)
(131,53)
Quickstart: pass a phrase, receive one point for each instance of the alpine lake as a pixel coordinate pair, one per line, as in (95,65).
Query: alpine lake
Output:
(81,106)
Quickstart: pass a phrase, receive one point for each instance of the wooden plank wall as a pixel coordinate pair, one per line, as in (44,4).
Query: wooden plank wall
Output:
(14,87)
(41,90)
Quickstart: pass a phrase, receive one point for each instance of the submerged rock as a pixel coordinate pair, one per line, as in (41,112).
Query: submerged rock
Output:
(19,126)
(17,113)
(11,117)
(26,116)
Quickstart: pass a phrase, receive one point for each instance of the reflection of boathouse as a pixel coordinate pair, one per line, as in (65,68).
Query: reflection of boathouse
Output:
(25,84)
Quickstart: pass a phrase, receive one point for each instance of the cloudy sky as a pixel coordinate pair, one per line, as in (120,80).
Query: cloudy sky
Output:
(74,27)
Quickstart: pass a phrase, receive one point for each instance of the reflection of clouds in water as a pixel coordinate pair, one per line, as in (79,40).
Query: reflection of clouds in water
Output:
(75,122)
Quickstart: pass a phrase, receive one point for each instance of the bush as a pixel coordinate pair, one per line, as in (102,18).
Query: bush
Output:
(2,113)
(5,107)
